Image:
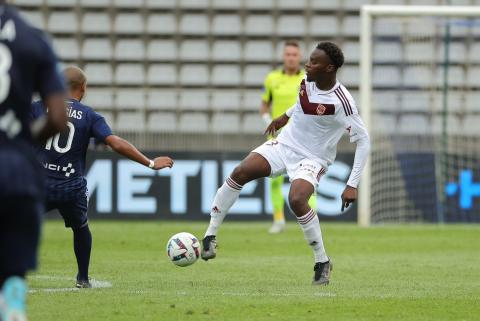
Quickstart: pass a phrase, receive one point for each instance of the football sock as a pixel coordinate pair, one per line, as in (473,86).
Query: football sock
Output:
(279,217)
(311,229)
(226,196)
(82,244)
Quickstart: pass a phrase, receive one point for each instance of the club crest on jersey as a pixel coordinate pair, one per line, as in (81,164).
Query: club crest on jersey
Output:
(321,109)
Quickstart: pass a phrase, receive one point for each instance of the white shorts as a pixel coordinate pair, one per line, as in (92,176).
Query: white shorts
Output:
(284,160)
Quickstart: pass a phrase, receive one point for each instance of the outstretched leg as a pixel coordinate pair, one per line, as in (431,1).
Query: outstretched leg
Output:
(300,192)
(252,167)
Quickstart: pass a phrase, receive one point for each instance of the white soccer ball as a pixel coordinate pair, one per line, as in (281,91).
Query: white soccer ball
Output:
(183,249)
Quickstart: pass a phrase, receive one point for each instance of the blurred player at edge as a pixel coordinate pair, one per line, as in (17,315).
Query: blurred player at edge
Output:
(304,149)
(63,158)
(280,93)
(27,64)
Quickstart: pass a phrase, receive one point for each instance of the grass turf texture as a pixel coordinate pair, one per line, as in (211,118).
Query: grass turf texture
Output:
(408,272)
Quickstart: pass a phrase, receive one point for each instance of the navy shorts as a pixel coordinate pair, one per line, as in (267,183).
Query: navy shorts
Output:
(20,223)
(73,211)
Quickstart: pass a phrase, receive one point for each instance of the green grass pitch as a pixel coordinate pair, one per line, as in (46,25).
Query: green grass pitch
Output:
(405,272)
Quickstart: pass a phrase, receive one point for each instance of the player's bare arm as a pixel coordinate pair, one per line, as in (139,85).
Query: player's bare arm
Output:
(349,196)
(126,149)
(277,124)
(265,110)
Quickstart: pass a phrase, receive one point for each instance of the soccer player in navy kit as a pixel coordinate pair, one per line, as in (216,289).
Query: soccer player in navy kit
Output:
(63,157)
(27,64)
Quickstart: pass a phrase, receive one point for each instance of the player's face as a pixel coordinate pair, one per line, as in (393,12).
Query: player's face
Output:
(318,65)
(291,58)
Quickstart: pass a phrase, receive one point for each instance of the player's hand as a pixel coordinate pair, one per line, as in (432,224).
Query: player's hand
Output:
(276,124)
(349,196)
(162,162)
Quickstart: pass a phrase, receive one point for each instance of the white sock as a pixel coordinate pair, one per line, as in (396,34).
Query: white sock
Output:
(226,196)
(311,229)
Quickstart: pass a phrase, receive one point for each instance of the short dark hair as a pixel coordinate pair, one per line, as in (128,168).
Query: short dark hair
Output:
(333,52)
(292,43)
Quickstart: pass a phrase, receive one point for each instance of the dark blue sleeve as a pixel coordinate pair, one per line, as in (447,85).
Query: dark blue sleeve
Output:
(49,77)
(36,110)
(100,128)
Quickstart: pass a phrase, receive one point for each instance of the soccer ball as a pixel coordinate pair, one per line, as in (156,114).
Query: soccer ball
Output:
(183,249)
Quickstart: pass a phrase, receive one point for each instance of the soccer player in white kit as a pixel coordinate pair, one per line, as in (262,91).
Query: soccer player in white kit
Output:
(304,149)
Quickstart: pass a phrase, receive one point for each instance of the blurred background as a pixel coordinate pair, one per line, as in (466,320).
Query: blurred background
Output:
(186,77)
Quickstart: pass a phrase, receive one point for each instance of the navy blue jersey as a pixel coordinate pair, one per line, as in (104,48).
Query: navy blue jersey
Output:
(63,155)
(27,65)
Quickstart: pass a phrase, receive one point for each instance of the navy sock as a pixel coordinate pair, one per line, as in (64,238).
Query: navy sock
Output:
(82,244)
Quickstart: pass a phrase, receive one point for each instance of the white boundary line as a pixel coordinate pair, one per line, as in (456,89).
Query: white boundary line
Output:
(96,284)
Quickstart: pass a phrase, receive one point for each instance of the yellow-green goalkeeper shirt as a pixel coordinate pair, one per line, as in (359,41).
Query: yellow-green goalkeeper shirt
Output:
(281,90)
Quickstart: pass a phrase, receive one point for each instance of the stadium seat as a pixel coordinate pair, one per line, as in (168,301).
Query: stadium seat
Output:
(167,4)
(258,50)
(324,25)
(252,100)
(259,25)
(162,122)
(161,50)
(291,25)
(472,101)
(226,75)
(416,101)
(384,124)
(349,75)
(66,48)
(473,76)
(225,99)
(421,26)
(62,22)
(226,50)
(130,98)
(194,74)
(61,3)
(305,50)
(225,123)
(129,49)
(414,125)
(473,51)
(456,76)
(130,121)
(128,3)
(129,74)
(96,22)
(97,49)
(101,98)
(162,99)
(350,26)
(387,51)
(128,23)
(291,4)
(226,24)
(25,2)
(226,4)
(455,125)
(193,123)
(324,5)
(95,3)
(254,75)
(470,125)
(456,101)
(457,52)
(99,74)
(351,50)
(385,27)
(35,18)
(162,74)
(197,50)
(386,76)
(193,4)
(252,123)
(419,51)
(418,76)
(195,24)
(194,99)
(161,24)
(385,101)
(353,4)
(259,4)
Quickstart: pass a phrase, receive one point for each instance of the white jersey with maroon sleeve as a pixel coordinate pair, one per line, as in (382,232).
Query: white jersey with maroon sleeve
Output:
(318,121)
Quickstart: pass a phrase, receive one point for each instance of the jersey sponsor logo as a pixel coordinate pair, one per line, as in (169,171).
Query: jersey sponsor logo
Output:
(317,109)
(68,170)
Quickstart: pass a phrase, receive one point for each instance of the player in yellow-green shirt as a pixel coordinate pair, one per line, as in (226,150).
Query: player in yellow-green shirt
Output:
(280,93)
